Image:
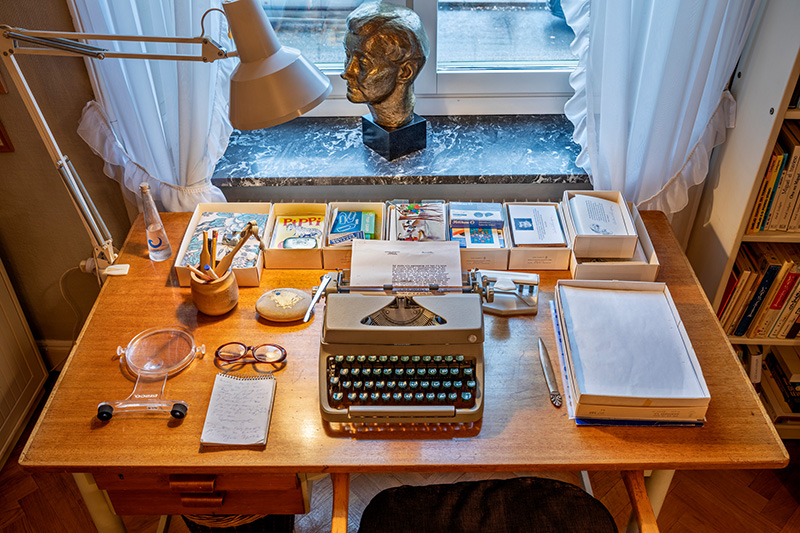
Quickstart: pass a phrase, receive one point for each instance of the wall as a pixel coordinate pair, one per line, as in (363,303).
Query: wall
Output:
(41,234)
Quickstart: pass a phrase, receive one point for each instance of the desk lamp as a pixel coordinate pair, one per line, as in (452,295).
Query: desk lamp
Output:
(271,85)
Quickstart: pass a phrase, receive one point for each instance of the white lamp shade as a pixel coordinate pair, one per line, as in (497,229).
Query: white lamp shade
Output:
(272,84)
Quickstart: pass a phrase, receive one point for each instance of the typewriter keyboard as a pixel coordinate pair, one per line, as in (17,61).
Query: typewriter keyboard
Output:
(411,380)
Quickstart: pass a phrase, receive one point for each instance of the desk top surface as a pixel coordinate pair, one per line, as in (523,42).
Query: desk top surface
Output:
(520,430)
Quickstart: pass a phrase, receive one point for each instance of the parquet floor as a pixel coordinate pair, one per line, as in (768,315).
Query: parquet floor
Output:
(713,501)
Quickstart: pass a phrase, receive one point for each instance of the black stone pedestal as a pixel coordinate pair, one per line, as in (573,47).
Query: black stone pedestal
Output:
(392,143)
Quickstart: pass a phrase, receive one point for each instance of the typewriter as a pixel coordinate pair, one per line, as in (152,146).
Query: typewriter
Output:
(395,356)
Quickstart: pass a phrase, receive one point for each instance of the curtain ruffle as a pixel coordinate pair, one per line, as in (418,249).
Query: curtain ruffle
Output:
(95,130)
(674,196)
(576,109)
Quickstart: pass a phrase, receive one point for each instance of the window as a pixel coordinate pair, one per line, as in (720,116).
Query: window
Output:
(486,57)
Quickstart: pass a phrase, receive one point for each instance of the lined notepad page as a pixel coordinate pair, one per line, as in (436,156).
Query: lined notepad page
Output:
(239,410)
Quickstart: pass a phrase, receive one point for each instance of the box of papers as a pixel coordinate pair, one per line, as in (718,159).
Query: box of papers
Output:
(416,221)
(625,353)
(484,243)
(476,215)
(225,218)
(643,266)
(599,224)
(338,249)
(538,241)
(296,235)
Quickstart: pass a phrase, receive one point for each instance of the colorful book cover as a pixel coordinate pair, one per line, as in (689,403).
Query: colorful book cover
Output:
(297,232)
(349,225)
(227,226)
(476,215)
(477,237)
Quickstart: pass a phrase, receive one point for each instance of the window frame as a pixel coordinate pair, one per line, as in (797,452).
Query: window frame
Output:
(466,92)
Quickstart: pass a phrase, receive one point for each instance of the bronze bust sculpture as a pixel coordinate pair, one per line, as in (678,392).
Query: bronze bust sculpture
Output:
(386,47)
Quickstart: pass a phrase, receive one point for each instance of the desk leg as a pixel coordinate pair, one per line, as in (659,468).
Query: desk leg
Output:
(341,500)
(657,485)
(103,516)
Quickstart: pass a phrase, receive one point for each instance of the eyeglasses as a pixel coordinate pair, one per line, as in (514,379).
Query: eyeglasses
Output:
(263,353)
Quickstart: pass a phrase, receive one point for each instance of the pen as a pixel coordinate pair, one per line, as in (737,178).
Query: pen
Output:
(210,272)
(201,275)
(205,257)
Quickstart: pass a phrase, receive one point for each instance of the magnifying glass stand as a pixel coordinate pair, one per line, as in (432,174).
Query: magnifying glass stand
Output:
(153,356)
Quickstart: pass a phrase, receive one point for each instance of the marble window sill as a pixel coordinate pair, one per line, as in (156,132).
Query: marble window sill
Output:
(461,150)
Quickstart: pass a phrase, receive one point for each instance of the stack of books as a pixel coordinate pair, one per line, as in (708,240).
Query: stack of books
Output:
(780,383)
(776,204)
(626,358)
(762,297)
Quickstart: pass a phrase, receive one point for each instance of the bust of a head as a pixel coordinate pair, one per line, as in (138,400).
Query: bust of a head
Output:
(386,48)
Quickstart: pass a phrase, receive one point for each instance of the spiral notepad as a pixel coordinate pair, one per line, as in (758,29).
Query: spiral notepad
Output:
(239,411)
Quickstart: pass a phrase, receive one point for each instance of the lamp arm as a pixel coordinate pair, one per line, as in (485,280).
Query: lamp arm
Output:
(104,251)
(65,43)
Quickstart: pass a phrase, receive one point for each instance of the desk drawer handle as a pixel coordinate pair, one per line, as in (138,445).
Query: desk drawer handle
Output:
(191,483)
(214,499)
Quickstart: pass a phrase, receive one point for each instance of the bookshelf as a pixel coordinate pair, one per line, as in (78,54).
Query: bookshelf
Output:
(762,85)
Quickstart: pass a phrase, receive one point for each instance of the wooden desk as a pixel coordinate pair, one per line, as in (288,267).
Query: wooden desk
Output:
(520,430)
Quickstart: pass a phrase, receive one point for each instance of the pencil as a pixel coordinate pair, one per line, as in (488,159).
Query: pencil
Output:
(214,249)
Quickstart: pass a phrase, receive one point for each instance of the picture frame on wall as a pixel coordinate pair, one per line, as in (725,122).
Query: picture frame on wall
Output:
(5,142)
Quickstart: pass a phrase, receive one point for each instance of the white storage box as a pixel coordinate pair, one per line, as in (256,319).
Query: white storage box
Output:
(310,258)
(600,246)
(539,257)
(245,277)
(338,257)
(642,267)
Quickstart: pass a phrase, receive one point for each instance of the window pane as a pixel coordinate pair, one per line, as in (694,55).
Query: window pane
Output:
(315,27)
(513,34)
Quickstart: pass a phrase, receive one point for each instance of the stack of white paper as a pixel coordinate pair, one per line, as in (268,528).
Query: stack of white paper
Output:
(626,353)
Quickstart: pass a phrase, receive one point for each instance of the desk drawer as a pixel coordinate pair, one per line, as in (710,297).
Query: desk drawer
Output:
(206,493)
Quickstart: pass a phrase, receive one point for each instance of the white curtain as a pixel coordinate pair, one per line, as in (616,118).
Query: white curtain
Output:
(650,97)
(162,122)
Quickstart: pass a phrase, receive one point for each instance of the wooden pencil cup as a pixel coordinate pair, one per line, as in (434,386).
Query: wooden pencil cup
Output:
(215,297)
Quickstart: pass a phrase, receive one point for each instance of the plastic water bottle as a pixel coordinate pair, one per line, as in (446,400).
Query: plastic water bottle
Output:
(157,242)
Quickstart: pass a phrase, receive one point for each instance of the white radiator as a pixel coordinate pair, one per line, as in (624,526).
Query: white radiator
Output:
(22,372)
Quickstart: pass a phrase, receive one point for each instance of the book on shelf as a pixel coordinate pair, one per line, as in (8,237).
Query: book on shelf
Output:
(768,267)
(597,216)
(297,232)
(791,131)
(773,185)
(743,271)
(535,225)
(478,237)
(753,357)
(754,224)
(626,355)
(790,181)
(776,407)
(476,215)
(788,315)
(749,281)
(770,215)
(790,395)
(733,279)
(778,292)
(788,357)
(350,225)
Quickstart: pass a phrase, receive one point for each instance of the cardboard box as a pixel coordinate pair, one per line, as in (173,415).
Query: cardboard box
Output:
(295,258)
(245,277)
(629,270)
(539,257)
(600,246)
(487,258)
(338,257)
